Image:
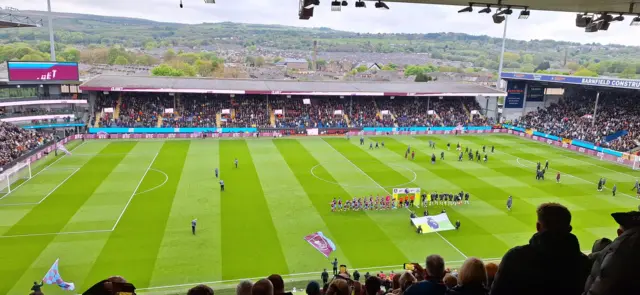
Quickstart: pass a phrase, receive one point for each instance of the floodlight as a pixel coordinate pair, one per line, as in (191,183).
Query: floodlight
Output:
(310,3)
(486,10)
(619,18)
(210,1)
(498,19)
(591,27)
(381,5)
(345,3)
(181,4)
(466,9)
(635,22)
(336,5)
(361,4)
(524,14)
(507,11)
(582,20)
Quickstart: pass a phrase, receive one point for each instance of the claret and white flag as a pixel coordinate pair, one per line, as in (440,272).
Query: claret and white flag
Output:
(64,149)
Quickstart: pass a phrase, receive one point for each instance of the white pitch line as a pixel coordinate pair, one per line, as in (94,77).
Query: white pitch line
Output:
(455,262)
(43,169)
(56,234)
(166,178)
(367,175)
(134,191)
(57,186)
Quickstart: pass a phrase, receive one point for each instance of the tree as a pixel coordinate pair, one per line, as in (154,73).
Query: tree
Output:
(527,68)
(166,70)
(361,69)
(527,59)
(169,55)
(629,72)
(34,57)
(321,64)
(121,60)
(584,72)
(510,57)
(573,66)
(422,77)
(543,66)
(70,54)
(259,61)
(145,60)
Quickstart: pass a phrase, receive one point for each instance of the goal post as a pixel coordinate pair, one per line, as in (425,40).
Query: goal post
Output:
(14,176)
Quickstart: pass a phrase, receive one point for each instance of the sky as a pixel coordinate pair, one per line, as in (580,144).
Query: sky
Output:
(401,18)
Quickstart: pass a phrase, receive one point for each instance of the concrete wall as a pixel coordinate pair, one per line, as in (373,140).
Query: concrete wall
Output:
(489,106)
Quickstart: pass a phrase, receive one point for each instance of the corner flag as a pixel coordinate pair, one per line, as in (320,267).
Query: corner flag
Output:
(321,243)
(53,277)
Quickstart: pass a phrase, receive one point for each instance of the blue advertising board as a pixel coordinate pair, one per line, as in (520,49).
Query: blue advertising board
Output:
(535,93)
(515,95)
(586,81)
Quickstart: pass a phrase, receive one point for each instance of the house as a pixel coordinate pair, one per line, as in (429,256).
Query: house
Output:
(371,66)
(296,64)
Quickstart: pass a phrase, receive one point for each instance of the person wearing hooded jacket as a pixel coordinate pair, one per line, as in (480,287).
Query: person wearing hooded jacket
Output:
(615,270)
(550,264)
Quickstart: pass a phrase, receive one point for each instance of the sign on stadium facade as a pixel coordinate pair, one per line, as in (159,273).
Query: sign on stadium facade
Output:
(35,71)
(585,81)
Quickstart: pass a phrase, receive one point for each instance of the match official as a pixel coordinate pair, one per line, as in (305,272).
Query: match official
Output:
(217,172)
(236,162)
(193,226)
(221,185)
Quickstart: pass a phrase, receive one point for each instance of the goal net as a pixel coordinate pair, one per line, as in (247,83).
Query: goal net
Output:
(14,176)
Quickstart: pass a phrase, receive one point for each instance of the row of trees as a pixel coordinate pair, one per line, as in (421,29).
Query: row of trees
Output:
(204,64)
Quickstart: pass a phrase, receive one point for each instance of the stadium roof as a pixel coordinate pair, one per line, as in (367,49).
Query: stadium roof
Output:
(222,86)
(552,5)
(8,19)
(574,80)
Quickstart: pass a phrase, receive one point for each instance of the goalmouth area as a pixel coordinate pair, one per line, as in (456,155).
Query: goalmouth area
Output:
(123,207)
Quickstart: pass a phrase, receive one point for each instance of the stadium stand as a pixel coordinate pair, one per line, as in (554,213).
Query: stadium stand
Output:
(15,142)
(572,118)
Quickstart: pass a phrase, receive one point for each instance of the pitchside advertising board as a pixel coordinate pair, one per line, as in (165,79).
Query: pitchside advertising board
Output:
(515,95)
(32,71)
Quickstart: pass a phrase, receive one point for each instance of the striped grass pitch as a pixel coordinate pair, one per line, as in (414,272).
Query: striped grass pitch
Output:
(124,207)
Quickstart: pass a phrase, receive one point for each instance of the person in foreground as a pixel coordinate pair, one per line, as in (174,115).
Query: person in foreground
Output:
(550,264)
(472,279)
(432,284)
(615,269)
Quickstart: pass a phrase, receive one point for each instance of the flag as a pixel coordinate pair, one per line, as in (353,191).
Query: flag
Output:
(64,149)
(53,277)
(321,243)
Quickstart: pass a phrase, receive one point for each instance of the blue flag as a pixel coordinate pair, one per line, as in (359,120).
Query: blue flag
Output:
(53,277)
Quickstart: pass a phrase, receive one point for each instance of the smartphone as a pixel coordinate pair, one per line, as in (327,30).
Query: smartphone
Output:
(408,266)
(343,268)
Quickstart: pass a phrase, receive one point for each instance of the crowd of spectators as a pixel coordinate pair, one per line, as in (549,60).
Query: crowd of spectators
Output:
(572,117)
(16,141)
(197,110)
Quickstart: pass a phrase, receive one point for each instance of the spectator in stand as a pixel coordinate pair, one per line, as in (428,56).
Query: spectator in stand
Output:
(450,280)
(472,279)
(313,288)
(339,287)
(372,285)
(432,283)
(491,269)
(244,288)
(200,290)
(395,284)
(15,142)
(615,270)
(278,285)
(550,264)
(262,287)
(406,280)
(598,246)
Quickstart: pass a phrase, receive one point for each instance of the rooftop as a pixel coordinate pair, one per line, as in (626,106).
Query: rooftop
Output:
(278,87)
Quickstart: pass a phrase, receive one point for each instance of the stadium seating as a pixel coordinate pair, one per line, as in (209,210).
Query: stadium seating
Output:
(16,141)
(572,118)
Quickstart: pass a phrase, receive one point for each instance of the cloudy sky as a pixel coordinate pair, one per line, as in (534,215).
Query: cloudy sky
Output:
(401,18)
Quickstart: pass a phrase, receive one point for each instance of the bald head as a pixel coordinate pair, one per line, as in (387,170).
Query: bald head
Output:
(262,287)
(244,288)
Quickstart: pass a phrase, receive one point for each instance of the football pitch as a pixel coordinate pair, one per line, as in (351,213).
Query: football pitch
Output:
(125,207)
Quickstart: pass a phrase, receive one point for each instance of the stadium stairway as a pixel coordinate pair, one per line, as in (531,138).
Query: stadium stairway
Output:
(346,119)
(272,118)
(116,112)
(98,117)
(218,120)
(159,124)
(464,107)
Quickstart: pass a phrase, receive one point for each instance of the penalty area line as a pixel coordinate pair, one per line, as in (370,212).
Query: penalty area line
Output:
(57,234)
(384,189)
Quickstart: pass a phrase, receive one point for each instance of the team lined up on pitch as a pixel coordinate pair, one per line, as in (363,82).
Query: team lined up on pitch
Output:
(390,203)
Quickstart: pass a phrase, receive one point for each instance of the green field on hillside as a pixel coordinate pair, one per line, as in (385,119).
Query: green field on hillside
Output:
(125,207)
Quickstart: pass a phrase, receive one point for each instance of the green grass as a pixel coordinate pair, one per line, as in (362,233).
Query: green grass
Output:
(124,208)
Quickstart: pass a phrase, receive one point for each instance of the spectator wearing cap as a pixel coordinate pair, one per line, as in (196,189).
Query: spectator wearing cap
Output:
(432,284)
(615,270)
(262,287)
(244,288)
(550,264)
(200,290)
(472,279)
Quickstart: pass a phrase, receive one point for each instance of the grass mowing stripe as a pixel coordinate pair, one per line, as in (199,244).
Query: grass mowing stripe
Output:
(247,228)
(132,248)
(17,254)
(198,195)
(357,236)
(282,190)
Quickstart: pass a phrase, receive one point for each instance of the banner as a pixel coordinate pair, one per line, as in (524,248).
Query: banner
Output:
(385,112)
(306,101)
(431,112)
(617,83)
(43,71)
(107,110)
(406,190)
(64,149)
(312,131)
(278,112)
(434,223)
(53,277)
(168,111)
(323,244)
(337,112)
(515,95)
(535,93)
(475,112)
(226,111)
